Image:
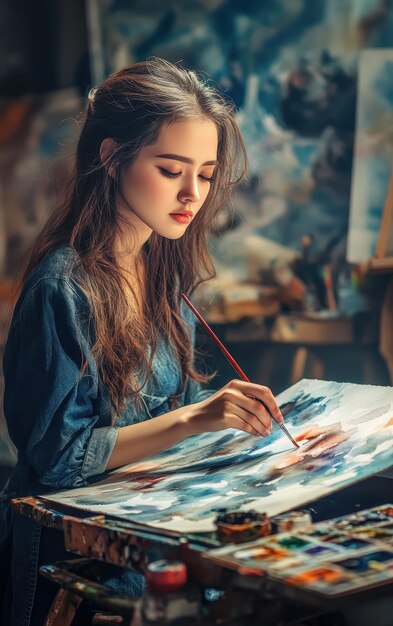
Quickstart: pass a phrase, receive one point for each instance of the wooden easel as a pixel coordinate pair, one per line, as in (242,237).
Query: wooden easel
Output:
(383,258)
(383,262)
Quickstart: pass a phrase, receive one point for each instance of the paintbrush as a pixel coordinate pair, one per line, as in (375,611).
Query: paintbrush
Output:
(232,361)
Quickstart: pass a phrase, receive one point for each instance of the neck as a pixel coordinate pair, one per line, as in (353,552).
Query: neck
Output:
(133,271)
(128,248)
(132,232)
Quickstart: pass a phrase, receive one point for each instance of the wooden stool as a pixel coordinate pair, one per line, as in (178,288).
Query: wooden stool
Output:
(75,587)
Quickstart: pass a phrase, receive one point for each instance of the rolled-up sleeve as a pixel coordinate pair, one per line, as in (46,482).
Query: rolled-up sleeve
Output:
(99,449)
(50,402)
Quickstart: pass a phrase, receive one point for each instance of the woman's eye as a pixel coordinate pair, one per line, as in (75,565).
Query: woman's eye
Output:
(207,179)
(169,174)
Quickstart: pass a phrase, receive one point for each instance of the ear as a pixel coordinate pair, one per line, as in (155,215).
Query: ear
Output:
(107,148)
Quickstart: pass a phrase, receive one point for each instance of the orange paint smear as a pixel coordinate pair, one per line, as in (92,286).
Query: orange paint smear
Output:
(323,574)
(318,440)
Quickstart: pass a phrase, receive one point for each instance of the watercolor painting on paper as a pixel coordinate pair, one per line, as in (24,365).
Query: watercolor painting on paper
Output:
(345,431)
(373,153)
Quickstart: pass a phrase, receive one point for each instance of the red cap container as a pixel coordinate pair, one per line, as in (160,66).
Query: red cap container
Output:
(166,576)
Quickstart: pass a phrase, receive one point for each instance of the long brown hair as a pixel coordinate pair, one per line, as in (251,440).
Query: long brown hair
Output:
(131,107)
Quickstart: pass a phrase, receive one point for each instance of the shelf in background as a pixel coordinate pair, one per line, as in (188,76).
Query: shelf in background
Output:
(384,264)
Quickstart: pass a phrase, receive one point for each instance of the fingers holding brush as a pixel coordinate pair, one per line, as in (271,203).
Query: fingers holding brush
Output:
(264,396)
(236,405)
(252,414)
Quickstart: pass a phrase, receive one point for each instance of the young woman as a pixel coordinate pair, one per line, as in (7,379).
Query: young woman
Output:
(99,360)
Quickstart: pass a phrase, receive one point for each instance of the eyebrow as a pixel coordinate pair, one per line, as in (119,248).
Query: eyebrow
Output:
(183,159)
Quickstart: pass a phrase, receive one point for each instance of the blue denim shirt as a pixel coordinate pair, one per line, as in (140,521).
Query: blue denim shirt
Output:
(61,421)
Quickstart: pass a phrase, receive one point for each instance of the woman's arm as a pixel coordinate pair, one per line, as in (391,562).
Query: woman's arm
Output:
(233,406)
(51,409)
(139,441)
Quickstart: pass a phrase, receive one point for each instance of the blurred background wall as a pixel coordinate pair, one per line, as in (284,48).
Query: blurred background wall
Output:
(290,66)
(44,73)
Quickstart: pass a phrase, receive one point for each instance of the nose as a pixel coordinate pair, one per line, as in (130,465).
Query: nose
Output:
(189,191)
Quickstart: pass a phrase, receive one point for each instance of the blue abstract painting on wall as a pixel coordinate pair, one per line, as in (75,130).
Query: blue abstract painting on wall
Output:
(290,67)
(373,162)
(345,432)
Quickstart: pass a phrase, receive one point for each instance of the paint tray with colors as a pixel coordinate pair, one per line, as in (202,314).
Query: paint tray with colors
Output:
(333,558)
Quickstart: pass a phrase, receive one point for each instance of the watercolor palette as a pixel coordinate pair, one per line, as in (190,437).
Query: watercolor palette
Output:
(333,558)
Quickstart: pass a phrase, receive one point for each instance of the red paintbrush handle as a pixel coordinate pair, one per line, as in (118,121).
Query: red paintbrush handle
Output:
(230,358)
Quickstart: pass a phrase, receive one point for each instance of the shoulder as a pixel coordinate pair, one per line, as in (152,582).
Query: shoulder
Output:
(52,283)
(61,262)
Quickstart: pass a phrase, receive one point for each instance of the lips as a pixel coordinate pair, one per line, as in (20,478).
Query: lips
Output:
(182,217)
(188,213)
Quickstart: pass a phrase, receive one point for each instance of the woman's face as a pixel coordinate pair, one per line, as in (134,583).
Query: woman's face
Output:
(167,184)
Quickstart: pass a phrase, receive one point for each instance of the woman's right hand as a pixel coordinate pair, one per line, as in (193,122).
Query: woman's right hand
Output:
(239,404)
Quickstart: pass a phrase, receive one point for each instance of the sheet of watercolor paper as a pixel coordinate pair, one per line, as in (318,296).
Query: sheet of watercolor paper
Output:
(345,431)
